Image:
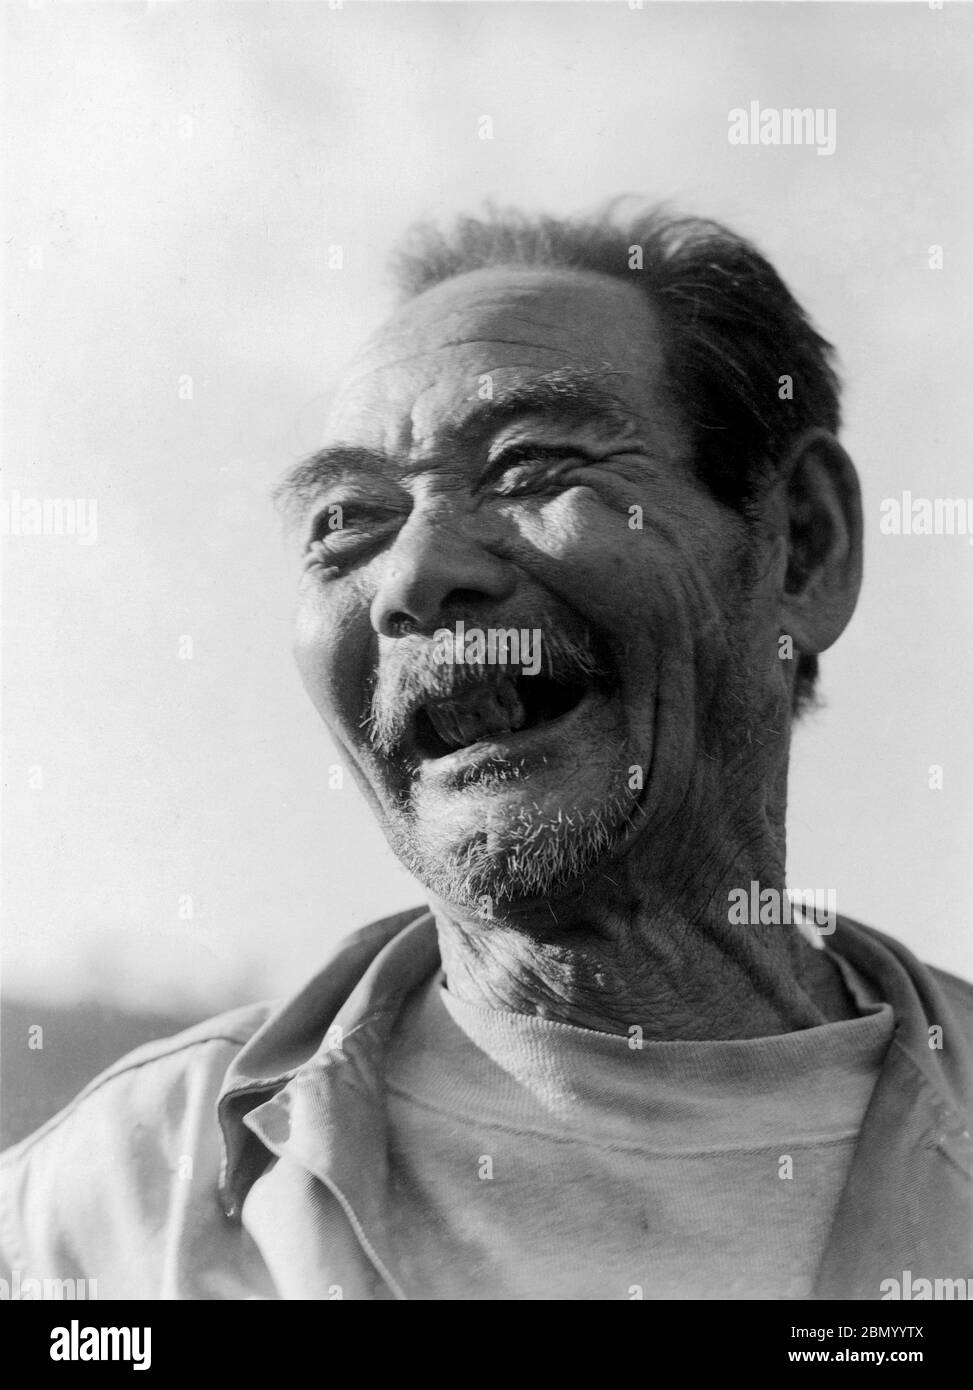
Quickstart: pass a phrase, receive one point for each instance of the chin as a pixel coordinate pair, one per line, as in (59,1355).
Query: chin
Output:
(502,846)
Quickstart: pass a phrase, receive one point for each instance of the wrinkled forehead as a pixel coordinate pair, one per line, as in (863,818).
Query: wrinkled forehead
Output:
(483,334)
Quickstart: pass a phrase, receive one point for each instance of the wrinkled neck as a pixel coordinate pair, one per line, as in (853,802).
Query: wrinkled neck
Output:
(651,942)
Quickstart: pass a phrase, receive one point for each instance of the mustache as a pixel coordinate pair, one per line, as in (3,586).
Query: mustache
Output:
(409,675)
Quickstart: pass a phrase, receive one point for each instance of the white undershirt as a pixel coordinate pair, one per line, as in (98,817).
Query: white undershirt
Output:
(535,1160)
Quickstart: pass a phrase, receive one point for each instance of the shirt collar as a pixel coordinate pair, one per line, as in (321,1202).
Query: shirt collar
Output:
(333,1030)
(918,1002)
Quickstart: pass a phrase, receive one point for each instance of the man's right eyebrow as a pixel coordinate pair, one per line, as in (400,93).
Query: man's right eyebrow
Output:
(309,478)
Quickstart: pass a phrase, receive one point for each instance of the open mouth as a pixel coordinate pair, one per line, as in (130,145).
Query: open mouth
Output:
(515,703)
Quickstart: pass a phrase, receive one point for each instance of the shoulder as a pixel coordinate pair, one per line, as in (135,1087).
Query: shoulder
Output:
(99,1176)
(959,993)
(129,1171)
(150,1081)
(933,1008)
(146,1077)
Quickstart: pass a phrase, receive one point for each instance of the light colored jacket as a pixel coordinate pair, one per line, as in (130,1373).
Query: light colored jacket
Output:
(247,1157)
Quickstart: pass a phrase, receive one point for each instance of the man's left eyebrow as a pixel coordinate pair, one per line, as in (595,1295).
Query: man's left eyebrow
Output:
(570,398)
(307,479)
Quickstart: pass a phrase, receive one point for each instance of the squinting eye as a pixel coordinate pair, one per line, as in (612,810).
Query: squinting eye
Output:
(330,521)
(536,474)
(338,519)
(341,528)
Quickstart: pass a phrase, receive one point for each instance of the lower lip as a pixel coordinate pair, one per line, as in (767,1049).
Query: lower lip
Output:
(516,747)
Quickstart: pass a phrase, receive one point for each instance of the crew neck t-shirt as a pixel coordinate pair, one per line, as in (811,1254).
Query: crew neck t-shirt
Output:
(530,1159)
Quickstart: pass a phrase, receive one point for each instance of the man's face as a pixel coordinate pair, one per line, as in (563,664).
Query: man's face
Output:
(504,454)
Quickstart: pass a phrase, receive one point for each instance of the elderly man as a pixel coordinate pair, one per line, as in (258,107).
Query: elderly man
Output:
(579,530)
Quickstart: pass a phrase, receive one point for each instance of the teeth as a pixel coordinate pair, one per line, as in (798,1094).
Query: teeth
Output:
(482,712)
(511,702)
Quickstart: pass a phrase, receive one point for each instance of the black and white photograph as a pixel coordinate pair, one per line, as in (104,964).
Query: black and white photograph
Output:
(487,524)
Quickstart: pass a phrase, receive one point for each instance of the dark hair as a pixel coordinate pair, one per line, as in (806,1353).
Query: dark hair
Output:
(733,329)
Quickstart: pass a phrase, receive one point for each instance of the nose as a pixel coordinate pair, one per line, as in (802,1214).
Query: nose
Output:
(434,567)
